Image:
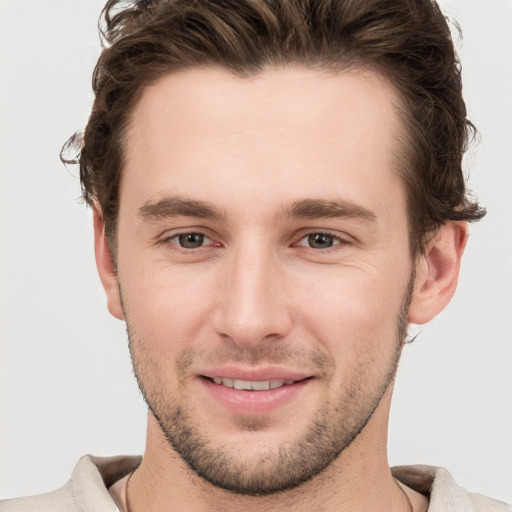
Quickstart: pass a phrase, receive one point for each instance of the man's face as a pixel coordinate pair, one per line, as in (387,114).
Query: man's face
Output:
(262,243)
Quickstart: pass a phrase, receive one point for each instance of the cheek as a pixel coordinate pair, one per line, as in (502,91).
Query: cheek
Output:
(354,311)
(168,307)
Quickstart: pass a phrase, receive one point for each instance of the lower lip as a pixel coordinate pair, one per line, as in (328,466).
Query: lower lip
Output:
(253,403)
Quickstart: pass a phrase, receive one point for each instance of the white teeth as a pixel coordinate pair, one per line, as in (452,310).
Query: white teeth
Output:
(256,385)
(242,384)
(260,385)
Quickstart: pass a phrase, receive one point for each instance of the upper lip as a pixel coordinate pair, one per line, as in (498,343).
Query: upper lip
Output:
(255,374)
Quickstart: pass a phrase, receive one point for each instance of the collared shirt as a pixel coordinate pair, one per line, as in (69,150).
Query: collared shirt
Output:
(88,489)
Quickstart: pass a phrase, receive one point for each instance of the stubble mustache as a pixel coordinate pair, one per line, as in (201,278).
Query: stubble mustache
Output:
(268,353)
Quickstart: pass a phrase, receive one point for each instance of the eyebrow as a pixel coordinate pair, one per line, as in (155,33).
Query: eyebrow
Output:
(320,208)
(176,206)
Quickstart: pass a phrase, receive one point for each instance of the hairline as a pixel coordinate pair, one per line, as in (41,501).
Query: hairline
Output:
(403,157)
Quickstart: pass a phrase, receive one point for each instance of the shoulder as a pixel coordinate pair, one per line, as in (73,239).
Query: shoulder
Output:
(445,495)
(86,491)
(56,501)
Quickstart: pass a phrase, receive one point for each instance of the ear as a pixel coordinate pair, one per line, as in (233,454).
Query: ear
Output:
(105,265)
(437,272)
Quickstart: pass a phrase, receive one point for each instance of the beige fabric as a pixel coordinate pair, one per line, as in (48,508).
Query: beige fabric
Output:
(445,495)
(87,490)
(118,493)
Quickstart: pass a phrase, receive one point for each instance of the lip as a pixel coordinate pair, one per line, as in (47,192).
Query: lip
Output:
(254,403)
(254,374)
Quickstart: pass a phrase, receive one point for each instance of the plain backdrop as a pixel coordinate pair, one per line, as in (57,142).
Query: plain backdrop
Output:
(66,385)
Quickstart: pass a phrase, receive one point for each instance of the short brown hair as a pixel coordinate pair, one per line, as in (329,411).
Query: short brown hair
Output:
(407,41)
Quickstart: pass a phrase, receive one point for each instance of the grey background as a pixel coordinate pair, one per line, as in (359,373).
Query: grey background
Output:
(66,386)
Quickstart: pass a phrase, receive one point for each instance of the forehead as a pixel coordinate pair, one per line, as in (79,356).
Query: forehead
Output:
(303,131)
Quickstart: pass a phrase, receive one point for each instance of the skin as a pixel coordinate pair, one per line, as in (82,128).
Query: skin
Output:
(267,157)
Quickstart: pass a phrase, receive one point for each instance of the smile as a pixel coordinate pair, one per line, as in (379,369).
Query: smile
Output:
(252,385)
(255,394)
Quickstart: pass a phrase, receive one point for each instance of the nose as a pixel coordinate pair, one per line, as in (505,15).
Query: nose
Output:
(252,305)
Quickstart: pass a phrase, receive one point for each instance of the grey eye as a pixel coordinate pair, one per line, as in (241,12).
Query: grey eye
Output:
(190,240)
(321,241)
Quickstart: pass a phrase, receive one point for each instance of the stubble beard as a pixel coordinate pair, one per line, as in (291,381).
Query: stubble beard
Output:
(331,431)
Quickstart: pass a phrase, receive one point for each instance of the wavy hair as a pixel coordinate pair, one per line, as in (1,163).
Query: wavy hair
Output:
(407,41)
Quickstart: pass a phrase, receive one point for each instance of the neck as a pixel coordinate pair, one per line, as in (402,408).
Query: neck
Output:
(358,480)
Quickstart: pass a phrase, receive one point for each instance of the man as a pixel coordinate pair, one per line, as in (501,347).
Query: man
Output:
(277,194)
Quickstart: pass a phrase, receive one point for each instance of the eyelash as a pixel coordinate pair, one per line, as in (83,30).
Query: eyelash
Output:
(338,241)
(168,240)
(336,238)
